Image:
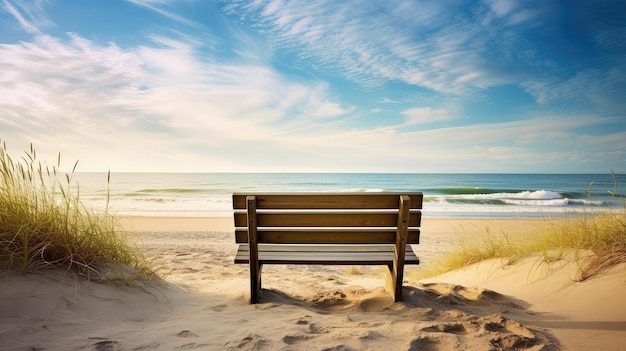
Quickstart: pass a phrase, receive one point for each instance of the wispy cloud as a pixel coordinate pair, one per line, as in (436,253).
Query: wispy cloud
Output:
(417,42)
(161,7)
(387,100)
(594,88)
(510,12)
(29,14)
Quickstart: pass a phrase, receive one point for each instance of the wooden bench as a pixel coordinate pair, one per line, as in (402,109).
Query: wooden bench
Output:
(329,229)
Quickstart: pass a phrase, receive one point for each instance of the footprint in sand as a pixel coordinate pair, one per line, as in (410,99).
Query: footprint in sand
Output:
(107,345)
(186,334)
(302,320)
(294,339)
(340,348)
(437,343)
(335,300)
(453,328)
(250,342)
(316,329)
(217,308)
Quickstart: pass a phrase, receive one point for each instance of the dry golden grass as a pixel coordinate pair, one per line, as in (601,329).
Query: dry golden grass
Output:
(44,225)
(601,234)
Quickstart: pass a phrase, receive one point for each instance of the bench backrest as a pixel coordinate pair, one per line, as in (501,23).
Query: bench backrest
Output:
(326,218)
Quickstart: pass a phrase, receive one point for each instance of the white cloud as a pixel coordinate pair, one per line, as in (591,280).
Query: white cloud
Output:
(146,107)
(424,115)
(475,148)
(387,100)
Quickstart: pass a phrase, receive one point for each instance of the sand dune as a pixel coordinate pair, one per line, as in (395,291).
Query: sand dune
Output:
(202,304)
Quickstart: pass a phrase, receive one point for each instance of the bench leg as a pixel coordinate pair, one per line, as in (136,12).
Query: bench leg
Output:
(255,282)
(393,282)
(253,248)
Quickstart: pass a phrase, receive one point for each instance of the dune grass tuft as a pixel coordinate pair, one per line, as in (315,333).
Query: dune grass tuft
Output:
(597,240)
(43,224)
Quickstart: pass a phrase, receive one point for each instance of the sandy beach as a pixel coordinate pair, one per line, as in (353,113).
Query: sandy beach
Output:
(202,301)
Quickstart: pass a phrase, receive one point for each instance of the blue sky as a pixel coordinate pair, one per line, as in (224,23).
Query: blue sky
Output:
(317,86)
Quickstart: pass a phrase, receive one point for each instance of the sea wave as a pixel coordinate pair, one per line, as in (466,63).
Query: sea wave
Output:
(587,202)
(520,198)
(536,195)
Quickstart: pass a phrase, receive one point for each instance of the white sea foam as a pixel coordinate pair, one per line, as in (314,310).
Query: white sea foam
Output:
(536,195)
(524,195)
(553,202)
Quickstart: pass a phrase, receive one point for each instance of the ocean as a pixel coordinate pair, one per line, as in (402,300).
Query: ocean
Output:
(445,195)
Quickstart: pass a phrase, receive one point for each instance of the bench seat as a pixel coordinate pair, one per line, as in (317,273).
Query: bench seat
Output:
(326,254)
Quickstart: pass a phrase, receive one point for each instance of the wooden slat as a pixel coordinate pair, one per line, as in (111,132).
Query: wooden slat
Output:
(326,219)
(323,247)
(327,235)
(326,200)
(324,254)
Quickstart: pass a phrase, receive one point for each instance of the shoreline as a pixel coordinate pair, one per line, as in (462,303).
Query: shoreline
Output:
(175,223)
(437,225)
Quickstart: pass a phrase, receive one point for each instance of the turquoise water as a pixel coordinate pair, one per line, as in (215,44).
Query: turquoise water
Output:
(446,195)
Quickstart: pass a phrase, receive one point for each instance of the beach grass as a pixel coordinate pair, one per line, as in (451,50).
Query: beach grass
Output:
(596,240)
(43,224)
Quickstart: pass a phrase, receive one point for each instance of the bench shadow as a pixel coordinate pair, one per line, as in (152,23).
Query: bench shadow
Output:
(439,296)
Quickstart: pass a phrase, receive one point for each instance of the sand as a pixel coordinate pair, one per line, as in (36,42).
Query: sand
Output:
(202,301)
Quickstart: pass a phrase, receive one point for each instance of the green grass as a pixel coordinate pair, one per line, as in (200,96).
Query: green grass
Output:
(597,240)
(43,224)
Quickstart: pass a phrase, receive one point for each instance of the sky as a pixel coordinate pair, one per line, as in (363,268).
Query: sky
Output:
(486,86)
